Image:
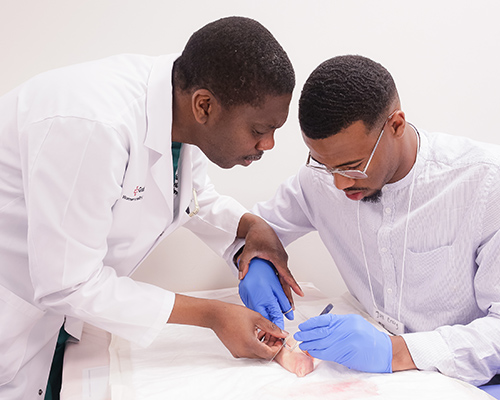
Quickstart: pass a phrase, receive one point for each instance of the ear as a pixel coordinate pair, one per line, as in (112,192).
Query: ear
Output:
(398,123)
(204,105)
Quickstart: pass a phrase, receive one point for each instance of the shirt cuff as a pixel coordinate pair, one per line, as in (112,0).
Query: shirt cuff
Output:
(430,352)
(231,253)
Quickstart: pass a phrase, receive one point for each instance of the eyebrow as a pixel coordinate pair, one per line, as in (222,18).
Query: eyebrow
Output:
(267,126)
(341,165)
(350,163)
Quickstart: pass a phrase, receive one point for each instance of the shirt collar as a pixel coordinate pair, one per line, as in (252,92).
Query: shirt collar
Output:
(417,166)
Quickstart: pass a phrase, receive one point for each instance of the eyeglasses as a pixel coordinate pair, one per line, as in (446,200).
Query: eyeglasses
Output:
(348,173)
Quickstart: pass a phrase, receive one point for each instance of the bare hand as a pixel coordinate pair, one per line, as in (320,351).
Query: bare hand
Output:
(244,332)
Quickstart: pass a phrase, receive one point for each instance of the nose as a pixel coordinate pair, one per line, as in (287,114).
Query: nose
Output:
(342,182)
(266,143)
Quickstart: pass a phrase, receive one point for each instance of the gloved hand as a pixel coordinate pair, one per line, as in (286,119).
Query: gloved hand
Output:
(348,340)
(261,291)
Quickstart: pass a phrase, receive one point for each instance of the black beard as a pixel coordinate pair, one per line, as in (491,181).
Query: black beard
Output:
(374,198)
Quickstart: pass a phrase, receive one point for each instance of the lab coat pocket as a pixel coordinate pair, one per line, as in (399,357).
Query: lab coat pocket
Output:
(17,319)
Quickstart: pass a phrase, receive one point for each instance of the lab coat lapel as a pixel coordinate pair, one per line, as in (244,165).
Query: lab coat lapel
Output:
(162,173)
(159,126)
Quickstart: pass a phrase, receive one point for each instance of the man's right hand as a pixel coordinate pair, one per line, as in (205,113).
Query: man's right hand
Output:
(261,291)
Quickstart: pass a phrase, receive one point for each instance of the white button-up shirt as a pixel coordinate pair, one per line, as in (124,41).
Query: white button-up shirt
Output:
(449,288)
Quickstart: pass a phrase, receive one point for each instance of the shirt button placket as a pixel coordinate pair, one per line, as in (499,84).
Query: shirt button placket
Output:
(388,267)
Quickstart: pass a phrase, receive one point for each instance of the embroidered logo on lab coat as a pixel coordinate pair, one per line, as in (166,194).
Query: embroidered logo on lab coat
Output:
(136,194)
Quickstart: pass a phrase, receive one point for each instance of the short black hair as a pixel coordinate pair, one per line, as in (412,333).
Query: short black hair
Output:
(343,90)
(238,60)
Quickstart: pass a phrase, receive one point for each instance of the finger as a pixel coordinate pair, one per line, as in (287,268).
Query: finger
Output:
(270,328)
(262,310)
(318,322)
(310,347)
(243,265)
(271,341)
(289,315)
(287,277)
(312,335)
(265,351)
(269,312)
(274,341)
(320,344)
(267,338)
(276,316)
(286,303)
(253,347)
(267,348)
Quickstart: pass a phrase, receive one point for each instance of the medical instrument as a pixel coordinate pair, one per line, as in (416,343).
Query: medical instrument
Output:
(326,310)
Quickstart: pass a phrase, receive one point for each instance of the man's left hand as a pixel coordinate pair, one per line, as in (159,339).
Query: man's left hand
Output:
(348,340)
(261,241)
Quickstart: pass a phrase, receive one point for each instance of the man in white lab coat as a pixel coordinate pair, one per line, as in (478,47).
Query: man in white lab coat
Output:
(101,160)
(412,221)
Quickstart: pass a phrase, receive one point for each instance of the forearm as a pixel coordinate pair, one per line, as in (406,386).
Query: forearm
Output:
(195,311)
(246,221)
(190,311)
(401,357)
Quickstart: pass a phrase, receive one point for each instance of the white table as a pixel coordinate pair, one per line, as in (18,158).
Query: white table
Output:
(188,362)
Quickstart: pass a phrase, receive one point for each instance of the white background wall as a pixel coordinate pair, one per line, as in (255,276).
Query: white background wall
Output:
(442,54)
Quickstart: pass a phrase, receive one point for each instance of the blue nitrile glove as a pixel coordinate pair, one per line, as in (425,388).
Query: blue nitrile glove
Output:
(348,340)
(261,291)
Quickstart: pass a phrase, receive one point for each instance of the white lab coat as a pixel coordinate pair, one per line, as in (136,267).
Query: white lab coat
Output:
(86,192)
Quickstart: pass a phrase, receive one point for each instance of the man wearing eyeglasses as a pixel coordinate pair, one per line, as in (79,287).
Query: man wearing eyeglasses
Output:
(411,220)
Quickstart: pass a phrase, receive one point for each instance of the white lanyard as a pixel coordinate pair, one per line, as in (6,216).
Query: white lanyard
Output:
(392,325)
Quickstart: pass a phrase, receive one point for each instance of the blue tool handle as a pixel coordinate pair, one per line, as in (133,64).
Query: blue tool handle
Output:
(327,309)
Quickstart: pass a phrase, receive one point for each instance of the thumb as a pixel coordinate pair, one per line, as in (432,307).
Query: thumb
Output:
(243,265)
(269,327)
